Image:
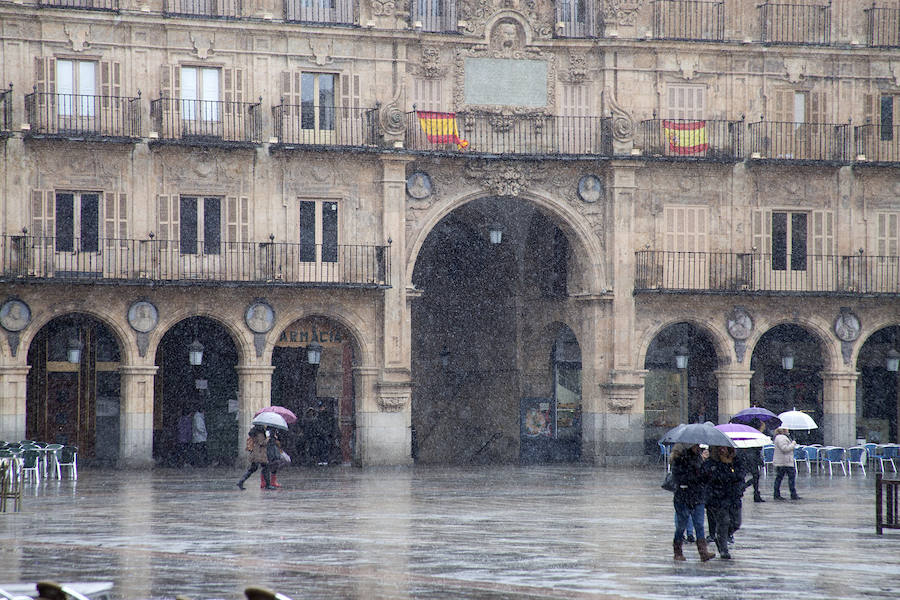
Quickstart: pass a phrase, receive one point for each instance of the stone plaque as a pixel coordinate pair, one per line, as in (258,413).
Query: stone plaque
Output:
(506,82)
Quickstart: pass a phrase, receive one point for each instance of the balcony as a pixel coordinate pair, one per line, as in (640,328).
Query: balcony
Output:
(803,22)
(80,116)
(6,100)
(215,9)
(300,125)
(477,133)
(323,12)
(167,261)
(689,20)
(882,27)
(878,143)
(688,138)
(105,5)
(577,18)
(435,16)
(728,272)
(800,141)
(208,122)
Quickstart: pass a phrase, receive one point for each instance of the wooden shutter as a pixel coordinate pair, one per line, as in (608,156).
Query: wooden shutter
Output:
(428,94)
(290,92)
(817,108)
(782,106)
(575,100)
(823,232)
(237,219)
(43,212)
(686,102)
(350,92)
(115,219)
(887,242)
(167,219)
(685,228)
(45,83)
(110,81)
(232,87)
(762,231)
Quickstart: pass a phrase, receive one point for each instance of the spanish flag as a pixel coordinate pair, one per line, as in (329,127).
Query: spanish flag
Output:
(686,137)
(440,128)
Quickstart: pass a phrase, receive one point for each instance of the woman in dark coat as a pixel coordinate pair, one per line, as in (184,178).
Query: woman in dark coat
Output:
(256,446)
(689,498)
(723,501)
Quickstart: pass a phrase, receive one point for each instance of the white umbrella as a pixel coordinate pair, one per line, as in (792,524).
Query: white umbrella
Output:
(795,419)
(751,442)
(270,419)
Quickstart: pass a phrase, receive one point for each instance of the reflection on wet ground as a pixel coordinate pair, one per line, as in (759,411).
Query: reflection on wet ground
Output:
(391,534)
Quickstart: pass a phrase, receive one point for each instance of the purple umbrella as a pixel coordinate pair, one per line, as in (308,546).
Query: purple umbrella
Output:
(744,436)
(757,412)
(289,416)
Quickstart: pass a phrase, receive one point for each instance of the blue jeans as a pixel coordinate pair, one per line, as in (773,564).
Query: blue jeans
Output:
(683,513)
(791,473)
(689,529)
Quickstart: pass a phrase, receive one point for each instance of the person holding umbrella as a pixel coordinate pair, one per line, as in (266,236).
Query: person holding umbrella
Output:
(723,501)
(256,446)
(783,460)
(689,497)
(751,460)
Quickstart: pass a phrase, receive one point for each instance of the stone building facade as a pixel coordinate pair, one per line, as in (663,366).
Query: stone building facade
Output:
(500,222)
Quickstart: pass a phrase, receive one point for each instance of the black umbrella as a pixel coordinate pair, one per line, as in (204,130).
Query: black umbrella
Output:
(697,433)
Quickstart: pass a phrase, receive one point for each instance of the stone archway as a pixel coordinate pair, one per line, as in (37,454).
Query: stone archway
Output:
(878,388)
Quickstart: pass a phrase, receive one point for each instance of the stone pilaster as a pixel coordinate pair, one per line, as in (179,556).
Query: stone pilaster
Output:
(13,387)
(255,385)
(136,420)
(839,399)
(383,415)
(734,391)
(622,421)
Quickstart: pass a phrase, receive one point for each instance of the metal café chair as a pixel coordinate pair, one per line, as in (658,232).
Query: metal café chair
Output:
(664,455)
(68,459)
(871,451)
(768,453)
(812,455)
(800,456)
(858,456)
(889,452)
(834,455)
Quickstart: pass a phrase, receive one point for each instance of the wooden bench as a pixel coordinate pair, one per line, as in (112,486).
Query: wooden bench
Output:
(887,503)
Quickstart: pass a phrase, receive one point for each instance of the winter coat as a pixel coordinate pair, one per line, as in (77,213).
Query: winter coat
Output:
(725,483)
(689,478)
(256,445)
(784,451)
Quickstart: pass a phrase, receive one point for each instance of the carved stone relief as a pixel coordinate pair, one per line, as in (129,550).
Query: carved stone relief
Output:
(620,12)
(203,44)
(430,65)
(383,8)
(578,68)
(79,37)
(688,65)
(475,14)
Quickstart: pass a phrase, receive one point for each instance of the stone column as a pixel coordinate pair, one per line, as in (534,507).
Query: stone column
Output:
(623,419)
(136,419)
(255,385)
(839,400)
(383,415)
(734,391)
(13,392)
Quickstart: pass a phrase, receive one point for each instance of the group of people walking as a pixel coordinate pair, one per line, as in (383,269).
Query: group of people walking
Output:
(710,484)
(265,453)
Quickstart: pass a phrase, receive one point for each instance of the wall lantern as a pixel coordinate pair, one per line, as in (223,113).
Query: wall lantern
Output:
(73,350)
(892,360)
(314,353)
(496,232)
(195,353)
(787,358)
(681,357)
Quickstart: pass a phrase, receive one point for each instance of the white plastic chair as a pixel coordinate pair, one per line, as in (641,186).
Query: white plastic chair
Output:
(67,458)
(858,456)
(31,465)
(52,458)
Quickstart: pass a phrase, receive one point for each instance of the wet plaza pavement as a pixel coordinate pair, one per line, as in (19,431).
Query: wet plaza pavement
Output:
(462,533)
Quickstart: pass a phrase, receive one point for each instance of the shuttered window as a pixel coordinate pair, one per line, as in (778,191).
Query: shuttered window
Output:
(887,241)
(686,102)
(685,228)
(318,230)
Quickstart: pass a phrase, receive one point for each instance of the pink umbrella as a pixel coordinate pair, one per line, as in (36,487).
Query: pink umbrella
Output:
(289,416)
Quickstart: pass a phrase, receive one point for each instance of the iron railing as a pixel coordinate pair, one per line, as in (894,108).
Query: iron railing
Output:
(108,5)
(222,9)
(577,18)
(333,12)
(658,270)
(155,260)
(690,138)
(491,133)
(882,27)
(438,16)
(326,126)
(82,115)
(877,142)
(800,141)
(803,22)
(6,109)
(206,120)
(689,20)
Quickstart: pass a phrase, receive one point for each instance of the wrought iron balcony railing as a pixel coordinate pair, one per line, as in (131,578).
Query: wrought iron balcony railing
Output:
(690,20)
(6,100)
(221,9)
(882,27)
(689,138)
(728,272)
(577,18)
(330,12)
(802,22)
(438,16)
(800,141)
(206,121)
(107,5)
(83,116)
(489,133)
(877,142)
(304,125)
(154,260)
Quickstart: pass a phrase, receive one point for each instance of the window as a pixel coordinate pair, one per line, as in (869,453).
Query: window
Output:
(317,101)
(790,106)
(200,94)
(685,228)
(318,230)
(76,84)
(201,225)
(788,234)
(77,218)
(572,11)
(887,242)
(686,102)
(428,94)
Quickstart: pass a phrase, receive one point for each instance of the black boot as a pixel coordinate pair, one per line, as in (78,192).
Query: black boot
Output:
(241,481)
(757,497)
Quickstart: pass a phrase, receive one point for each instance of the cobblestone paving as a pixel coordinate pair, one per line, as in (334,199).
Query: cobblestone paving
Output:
(486,533)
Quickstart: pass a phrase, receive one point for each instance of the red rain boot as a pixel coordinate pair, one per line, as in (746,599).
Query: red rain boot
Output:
(275,480)
(262,481)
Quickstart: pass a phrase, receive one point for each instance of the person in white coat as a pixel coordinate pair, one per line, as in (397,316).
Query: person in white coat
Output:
(783,461)
(198,438)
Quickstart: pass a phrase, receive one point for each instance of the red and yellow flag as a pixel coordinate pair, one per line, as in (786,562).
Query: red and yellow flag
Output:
(440,128)
(686,137)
